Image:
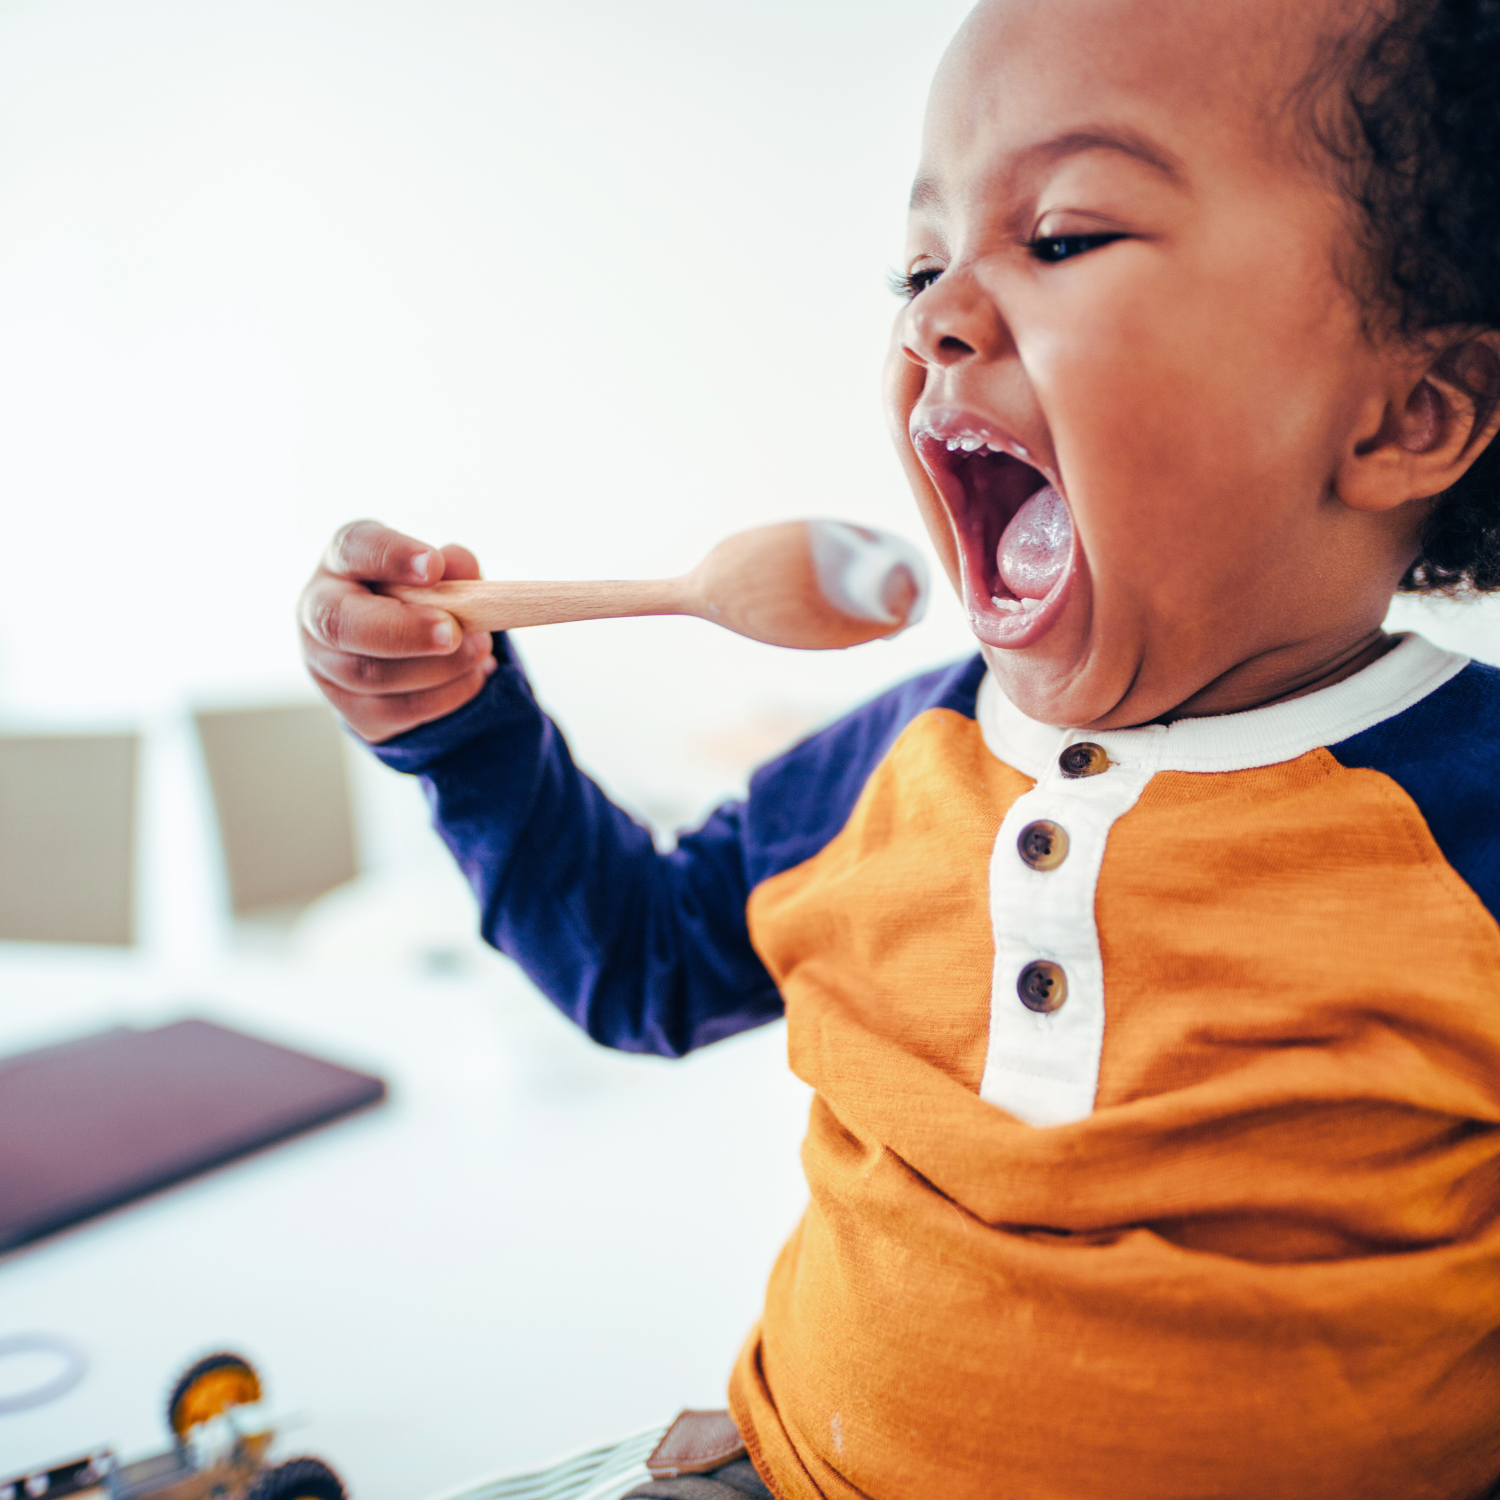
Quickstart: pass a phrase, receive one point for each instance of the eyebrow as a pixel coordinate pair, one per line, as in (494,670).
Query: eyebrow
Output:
(926,193)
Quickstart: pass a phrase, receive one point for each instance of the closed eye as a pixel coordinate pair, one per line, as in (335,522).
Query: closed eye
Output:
(1051,248)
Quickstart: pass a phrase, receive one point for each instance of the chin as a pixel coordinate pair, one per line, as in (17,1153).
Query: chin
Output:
(1040,691)
(1066,681)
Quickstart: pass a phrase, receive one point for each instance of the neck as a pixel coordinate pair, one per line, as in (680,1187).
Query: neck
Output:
(1278,677)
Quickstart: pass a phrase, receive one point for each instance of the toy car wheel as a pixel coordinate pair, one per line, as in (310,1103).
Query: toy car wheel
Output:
(209,1389)
(298,1479)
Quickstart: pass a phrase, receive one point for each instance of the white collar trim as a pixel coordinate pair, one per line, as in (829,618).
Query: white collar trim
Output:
(1232,742)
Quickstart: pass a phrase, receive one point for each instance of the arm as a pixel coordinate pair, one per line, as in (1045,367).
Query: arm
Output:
(646,951)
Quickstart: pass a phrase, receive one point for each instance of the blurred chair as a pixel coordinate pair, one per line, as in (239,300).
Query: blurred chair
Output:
(67,837)
(281,792)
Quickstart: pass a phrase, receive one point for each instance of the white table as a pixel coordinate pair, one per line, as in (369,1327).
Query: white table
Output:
(535,1246)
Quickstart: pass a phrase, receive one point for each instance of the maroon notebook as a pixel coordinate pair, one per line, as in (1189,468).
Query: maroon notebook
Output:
(91,1124)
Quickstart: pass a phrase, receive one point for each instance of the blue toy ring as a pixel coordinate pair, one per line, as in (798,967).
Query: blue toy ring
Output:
(74,1368)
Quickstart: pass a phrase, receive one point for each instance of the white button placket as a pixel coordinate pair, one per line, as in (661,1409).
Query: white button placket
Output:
(1044,1067)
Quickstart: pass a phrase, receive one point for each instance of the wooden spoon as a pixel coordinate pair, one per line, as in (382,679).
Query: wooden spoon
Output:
(814,585)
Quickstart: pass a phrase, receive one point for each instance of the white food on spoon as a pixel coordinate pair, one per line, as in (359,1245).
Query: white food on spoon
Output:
(859,570)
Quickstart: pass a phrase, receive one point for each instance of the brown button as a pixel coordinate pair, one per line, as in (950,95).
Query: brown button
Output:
(1083,759)
(1043,987)
(1043,845)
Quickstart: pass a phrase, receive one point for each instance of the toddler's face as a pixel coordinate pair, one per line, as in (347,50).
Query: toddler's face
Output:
(1132,365)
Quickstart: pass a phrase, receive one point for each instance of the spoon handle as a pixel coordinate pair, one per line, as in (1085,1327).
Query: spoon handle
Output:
(511,606)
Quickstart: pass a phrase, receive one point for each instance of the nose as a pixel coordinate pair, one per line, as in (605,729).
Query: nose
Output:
(954,320)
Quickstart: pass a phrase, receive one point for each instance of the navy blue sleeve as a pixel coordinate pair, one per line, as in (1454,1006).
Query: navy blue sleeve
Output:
(647,951)
(1444,753)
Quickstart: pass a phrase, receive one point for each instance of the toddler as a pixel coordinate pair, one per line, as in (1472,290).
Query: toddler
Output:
(1145,966)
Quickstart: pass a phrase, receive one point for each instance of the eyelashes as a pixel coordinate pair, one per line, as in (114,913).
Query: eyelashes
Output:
(911,284)
(1049,249)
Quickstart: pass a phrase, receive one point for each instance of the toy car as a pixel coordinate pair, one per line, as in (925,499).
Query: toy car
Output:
(210,1459)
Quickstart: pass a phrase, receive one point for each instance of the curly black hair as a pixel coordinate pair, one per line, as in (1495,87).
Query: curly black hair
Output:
(1418,134)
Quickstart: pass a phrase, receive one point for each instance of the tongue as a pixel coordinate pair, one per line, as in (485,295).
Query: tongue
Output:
(1033,553)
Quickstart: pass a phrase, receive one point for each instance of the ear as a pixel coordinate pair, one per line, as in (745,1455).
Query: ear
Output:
(1430,426)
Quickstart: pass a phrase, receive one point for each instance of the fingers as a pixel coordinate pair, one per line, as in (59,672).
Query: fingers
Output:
(377,718)
(386,666)
(345,616)
(372,553)
(384,676)
(459,564)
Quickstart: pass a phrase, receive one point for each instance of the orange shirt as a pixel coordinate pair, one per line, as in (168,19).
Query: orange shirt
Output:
(1153,1152)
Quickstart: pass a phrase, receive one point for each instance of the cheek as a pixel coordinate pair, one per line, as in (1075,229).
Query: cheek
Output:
(1173,405)
(903,381)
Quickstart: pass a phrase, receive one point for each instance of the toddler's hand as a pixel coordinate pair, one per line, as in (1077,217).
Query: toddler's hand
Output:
(387,666)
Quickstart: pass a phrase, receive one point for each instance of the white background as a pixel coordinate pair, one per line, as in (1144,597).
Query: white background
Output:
(585,286)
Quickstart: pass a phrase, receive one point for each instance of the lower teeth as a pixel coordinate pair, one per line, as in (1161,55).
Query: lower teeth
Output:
(1016,606)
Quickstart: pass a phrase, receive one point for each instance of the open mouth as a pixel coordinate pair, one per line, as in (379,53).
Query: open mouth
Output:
(1011,521)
